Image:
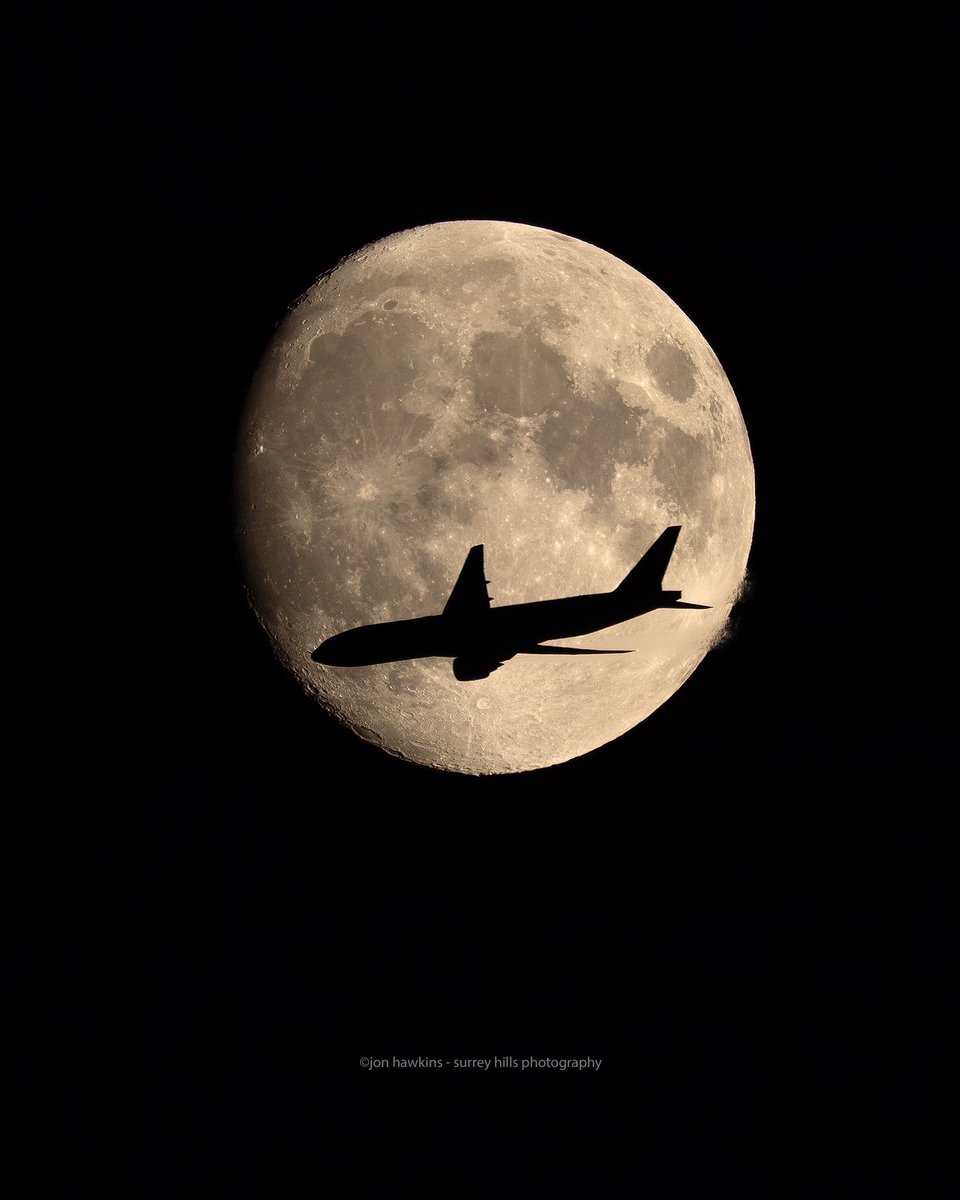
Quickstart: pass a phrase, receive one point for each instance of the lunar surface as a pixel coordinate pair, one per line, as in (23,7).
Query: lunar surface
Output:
(484,382)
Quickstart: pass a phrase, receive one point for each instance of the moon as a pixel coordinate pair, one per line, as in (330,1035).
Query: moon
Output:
(487,382)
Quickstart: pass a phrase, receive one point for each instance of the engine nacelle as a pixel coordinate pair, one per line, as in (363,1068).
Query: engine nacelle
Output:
(466,669)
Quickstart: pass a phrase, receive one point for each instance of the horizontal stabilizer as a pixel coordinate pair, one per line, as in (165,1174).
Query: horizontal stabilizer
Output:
(568,650)
(686,604)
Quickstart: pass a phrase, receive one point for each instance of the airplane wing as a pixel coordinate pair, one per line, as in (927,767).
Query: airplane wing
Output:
(480,667)
(469,599)
(568,650)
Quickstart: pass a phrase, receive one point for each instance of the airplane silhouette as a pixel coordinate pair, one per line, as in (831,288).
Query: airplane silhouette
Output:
(480,639)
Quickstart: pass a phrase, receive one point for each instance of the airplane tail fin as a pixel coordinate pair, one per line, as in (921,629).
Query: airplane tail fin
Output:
(469,600)
(646,578)
(645,582)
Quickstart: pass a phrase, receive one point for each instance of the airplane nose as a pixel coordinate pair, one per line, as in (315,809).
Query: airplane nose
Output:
(330,652)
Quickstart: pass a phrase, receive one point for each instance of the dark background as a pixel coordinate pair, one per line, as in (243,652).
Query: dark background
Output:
(739,905)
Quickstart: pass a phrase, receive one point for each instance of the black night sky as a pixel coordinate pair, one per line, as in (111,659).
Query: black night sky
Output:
(739,906)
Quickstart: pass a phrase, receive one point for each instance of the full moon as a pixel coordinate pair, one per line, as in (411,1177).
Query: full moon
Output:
(485,382)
